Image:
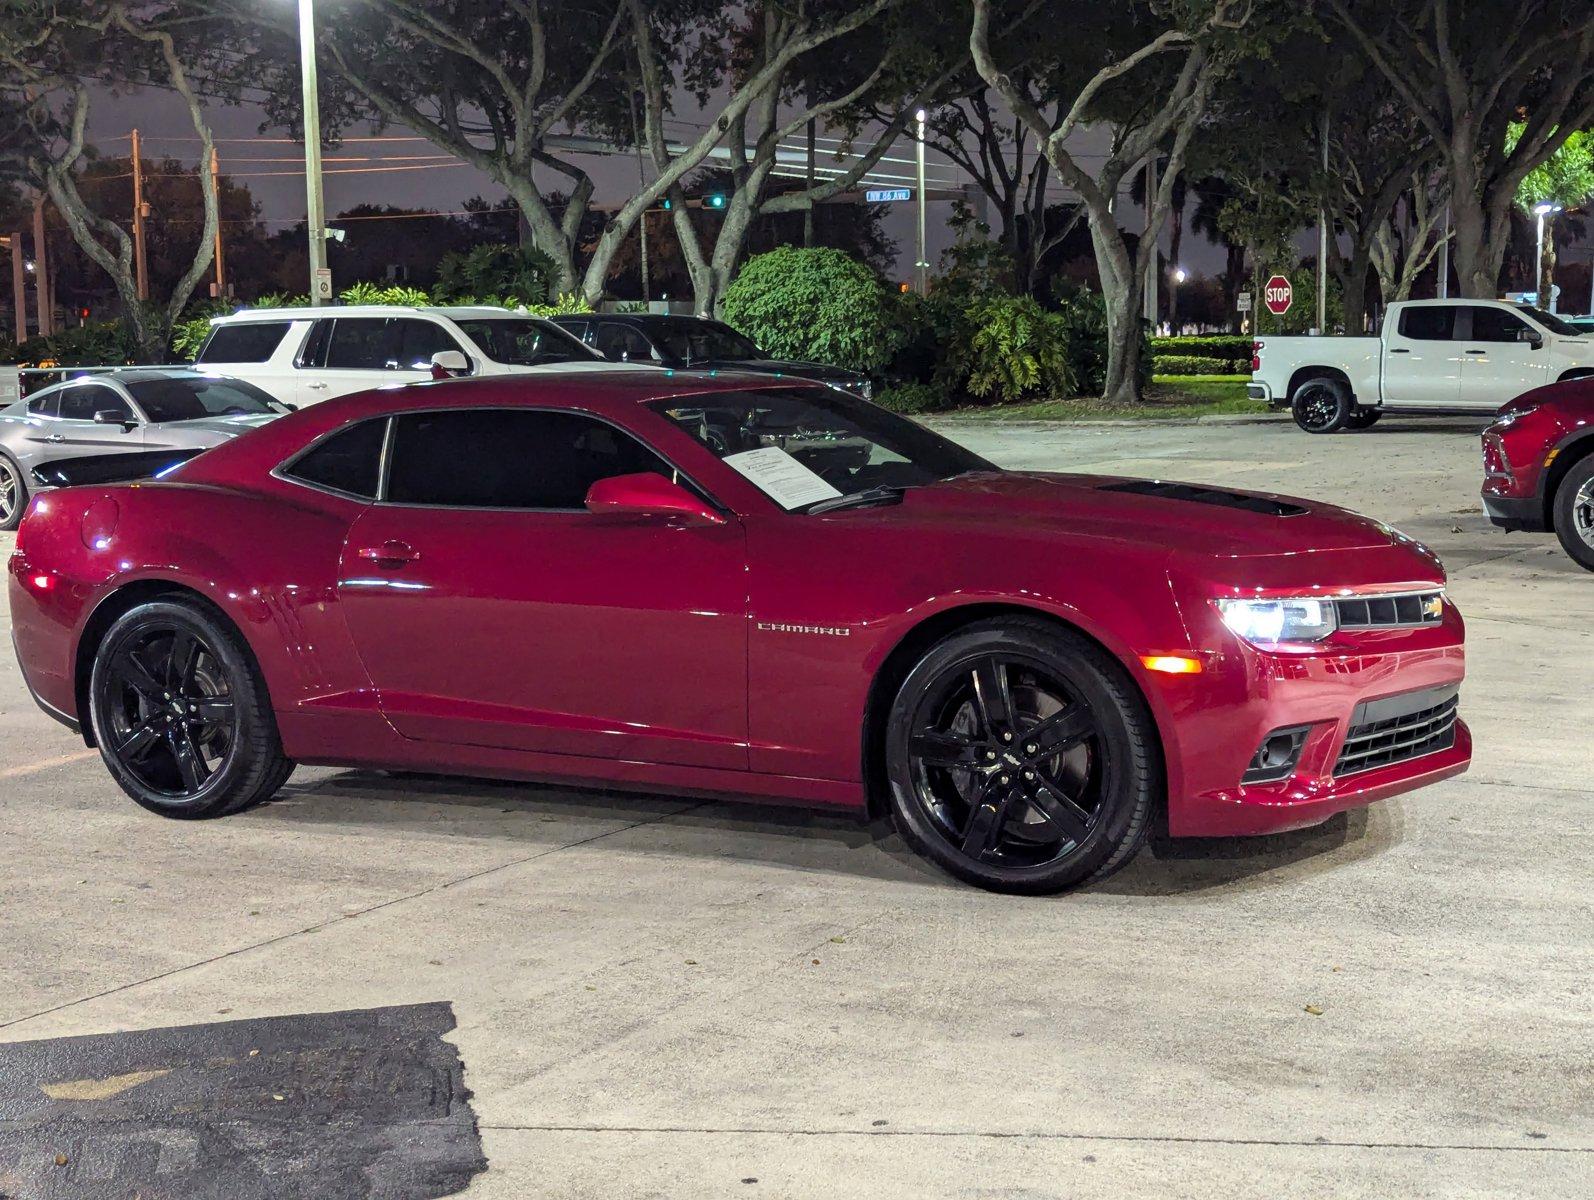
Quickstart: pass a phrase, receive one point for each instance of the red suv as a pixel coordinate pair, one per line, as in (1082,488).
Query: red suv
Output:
(1538,465)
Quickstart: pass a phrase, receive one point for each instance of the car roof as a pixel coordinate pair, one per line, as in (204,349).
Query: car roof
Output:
(308,312)
(637,318)
(131,375)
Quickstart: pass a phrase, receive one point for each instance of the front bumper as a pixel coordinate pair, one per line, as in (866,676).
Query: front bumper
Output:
(1230,709)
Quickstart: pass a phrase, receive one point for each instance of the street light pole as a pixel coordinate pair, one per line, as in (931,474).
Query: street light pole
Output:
(320,280)
(922,265)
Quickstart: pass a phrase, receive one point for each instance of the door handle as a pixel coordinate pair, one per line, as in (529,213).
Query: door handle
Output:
(389,554)
(1398,350)
(56,437)
(316,387)
(1477,352)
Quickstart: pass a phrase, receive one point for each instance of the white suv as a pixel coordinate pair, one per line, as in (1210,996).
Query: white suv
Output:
(302,356)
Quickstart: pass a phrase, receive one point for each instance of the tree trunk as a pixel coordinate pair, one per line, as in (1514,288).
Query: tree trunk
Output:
(1122,293)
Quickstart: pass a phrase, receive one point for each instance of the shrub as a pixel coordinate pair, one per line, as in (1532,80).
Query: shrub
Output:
(1084,315)
(913,398)
(1186,364)
(495,269)
(816,304)
(103,343)
(1222,355)
(1008,348)
(370,293)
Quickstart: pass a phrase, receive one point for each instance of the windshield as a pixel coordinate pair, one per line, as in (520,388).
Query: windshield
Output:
(525,341)
(1552,322)
(804,446)
(166,400)
(701,341)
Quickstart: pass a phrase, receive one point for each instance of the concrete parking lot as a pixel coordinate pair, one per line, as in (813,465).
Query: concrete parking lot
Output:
(662,997)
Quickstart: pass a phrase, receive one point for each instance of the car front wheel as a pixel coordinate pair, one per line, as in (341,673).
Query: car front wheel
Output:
(1574,512)
(1021,758)
(181,715)
(13,495)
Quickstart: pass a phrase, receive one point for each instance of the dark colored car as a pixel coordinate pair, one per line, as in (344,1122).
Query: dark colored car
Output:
(697,343)
(1538,466)
(727,586)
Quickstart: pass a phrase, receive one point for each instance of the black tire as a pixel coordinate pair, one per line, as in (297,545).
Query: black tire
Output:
(968,788)
(1574,512)
(1363,418)
(13,494)
(180,712)
(1322,404)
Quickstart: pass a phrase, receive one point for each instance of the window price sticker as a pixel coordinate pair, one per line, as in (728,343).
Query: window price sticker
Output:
(781,477)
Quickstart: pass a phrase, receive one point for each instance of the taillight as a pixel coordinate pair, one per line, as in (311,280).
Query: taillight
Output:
(1256,356)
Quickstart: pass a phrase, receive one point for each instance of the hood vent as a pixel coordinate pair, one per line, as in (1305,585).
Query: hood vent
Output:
(1205,495)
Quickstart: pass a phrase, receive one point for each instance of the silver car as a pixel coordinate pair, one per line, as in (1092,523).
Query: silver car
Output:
(121,412)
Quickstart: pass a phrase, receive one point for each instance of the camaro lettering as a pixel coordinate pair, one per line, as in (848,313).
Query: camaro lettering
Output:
(826,630)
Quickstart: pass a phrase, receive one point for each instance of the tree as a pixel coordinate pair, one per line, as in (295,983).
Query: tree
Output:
(49,58)
(1162,64)
(1467,69)
(837,76)
(1564,180)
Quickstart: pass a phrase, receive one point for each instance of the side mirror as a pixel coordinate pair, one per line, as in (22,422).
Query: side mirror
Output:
(1532,337)
(615,354)
(647,494)
(110,416)
(448,364)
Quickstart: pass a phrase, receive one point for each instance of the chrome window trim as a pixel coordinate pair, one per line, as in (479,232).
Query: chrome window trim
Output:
(280,471)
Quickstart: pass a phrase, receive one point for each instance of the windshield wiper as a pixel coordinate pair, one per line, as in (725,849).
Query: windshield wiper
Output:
(884,494)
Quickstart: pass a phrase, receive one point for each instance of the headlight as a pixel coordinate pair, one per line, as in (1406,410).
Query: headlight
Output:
(1291,619)
(1502,420)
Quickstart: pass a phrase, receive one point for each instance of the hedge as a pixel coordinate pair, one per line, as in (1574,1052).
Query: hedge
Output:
(1231,354)
(1189,364)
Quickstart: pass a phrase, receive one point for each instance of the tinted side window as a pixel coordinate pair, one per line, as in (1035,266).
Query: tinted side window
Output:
(1496,325)
(254,342)
(1429,323)
(419,340)
(616,339)
(349,461)
(502,458)
(82,402)
(359,343)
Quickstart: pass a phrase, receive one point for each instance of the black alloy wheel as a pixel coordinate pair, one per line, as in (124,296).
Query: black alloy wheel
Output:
(1020,758)
(181,715)
(1322,404)
(13,494)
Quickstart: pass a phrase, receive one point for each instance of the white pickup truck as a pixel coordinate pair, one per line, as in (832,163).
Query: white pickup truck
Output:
(1437,356)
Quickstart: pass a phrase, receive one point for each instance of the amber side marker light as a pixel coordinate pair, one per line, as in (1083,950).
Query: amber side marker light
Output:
(1171,664)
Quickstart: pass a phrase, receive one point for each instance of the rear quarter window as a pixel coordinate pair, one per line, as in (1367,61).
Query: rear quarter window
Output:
(253,342)
(349,461)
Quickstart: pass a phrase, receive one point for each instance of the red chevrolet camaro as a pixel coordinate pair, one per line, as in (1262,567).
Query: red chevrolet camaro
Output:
(739,586)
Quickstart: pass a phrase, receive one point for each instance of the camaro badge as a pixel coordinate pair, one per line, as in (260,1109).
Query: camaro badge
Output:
(826,630)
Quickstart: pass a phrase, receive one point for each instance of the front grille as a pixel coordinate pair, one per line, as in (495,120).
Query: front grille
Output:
(1399,728)
(1390,612)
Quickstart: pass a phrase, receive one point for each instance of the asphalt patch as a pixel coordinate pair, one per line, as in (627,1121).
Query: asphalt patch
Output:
(335,1106)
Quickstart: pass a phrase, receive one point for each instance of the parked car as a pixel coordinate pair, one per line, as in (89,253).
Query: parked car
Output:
(1434,356)
(120,413)
(1583,324)
(1538,466)
(306,355)
(646,582)
(697,342)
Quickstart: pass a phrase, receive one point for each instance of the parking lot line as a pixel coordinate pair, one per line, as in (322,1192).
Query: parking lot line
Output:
(44,764)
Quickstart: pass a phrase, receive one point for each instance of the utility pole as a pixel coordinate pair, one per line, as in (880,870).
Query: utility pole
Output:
(922,266)
(19,296)
(808,213)
(215,186)
(320,280)
(1150,234)
(41,272)
(1322,243)
(642,223)
(1444,258)
(140,211)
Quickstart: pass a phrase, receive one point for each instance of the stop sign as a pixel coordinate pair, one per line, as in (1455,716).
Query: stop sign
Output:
(1277,295)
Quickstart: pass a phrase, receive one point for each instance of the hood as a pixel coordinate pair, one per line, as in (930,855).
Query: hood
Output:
(1185,519)
(822,372)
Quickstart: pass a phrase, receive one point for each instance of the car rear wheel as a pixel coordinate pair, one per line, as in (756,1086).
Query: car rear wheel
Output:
(181,715)
(1363,418)
(1021,758)
(1574,512)
(13,495)
(1322,404)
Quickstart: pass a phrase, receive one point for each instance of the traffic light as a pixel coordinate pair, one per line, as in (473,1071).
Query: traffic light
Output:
(714,200)
(83,313)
